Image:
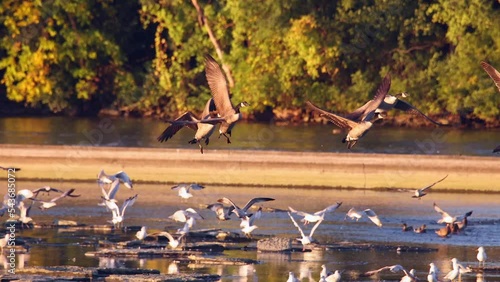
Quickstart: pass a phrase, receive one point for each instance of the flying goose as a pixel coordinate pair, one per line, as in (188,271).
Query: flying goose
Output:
(184,189)
(390,102)
(493,73)
(305,240)
(102,177)
(319,215)
(203,127)
(356,129)
(419,193)
(481,256)
(242,212)
(47,205)
(227,113)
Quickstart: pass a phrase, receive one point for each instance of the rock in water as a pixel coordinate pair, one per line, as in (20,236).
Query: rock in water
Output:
(275,244)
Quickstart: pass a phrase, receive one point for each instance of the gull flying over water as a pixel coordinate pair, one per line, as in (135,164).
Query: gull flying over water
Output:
(447,218)
(306,239)
(227,113)
(419,193)
(47,205)
(353,214)
(242,212)
(102,177)
(185,215)
(356,130)
(393,268)
(184,189)
(314,217)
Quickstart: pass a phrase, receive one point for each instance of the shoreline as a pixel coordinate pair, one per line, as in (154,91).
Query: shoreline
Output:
(284,169)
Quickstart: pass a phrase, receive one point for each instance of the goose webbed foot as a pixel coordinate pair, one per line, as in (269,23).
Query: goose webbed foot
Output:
(206,141)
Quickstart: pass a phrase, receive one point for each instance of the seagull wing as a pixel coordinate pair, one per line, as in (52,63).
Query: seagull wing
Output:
(179,186)
(179,215)
(442,212)
(128,203)
(339,121)
(67,193)
(393,268)
(166,234)
(196,186)
(425,188)
(296,225)
(115,185)
(218,86)
(407,107)
(331,208)
(24,194)
(373,217)
(228,201)
(192,213)
(301,213)
(255,200)
(123,176)
(315,227)
(353,213)
(46,189)
(493,73)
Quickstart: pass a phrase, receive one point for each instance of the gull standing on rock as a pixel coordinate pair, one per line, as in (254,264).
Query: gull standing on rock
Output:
(433,272)
(481,256)
(314,217)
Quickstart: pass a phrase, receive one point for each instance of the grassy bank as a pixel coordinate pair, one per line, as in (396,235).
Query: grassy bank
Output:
(259,168)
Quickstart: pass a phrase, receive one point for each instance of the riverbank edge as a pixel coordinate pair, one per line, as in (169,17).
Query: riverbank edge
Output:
(252,168)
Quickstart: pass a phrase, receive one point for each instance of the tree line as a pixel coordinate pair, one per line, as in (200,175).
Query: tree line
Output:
(146,57)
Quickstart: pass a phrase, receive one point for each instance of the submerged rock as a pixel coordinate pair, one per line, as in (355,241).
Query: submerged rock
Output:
(275,244)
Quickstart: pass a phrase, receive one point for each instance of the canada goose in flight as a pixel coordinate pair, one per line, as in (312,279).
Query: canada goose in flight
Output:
(419,193)
(306,239)
(319,215)
(391,102)
(493,73)
(242,212)
(227,113)
(356,130)
(203,127)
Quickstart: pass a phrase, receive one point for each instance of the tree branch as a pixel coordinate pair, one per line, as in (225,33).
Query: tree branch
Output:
(202,20)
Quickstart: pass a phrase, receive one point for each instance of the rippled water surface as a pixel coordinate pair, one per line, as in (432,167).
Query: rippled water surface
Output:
(143,133)
(156,202)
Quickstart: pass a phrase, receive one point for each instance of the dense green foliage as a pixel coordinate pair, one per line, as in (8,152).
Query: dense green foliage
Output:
(146,56)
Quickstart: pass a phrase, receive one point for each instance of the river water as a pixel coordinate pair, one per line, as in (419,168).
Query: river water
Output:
(129,132)
(156,202)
